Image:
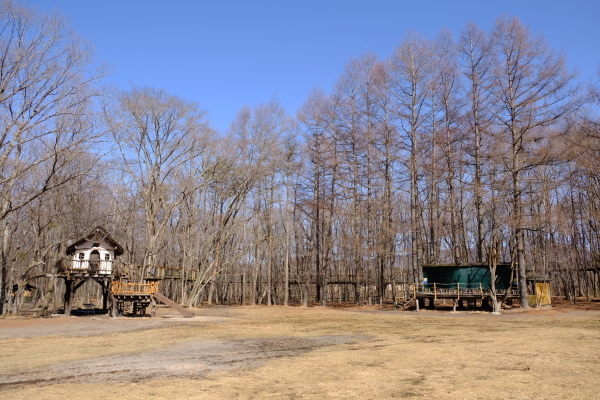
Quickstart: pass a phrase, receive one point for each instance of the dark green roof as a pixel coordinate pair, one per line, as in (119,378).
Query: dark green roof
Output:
(463,265)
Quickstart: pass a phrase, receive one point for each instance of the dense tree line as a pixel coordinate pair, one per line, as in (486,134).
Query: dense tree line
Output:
(450,146)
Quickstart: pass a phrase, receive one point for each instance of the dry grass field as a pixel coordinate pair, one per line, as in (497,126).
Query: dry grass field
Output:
(313,353)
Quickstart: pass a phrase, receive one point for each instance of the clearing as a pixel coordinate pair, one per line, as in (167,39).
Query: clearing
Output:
(290,352)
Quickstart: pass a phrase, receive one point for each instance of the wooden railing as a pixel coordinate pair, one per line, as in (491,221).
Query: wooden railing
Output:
(118,288)
(87,266)
(458,289)
(160,272)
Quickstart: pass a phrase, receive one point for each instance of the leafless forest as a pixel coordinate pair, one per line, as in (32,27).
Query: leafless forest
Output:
(450,146)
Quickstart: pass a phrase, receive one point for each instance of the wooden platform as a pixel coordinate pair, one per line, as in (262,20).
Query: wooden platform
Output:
(141,296)
(458,294)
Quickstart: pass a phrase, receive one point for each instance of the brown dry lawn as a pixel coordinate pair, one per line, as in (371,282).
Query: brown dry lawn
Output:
(313,353)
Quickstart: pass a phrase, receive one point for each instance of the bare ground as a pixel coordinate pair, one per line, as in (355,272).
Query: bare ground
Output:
(195,360)
(333,352)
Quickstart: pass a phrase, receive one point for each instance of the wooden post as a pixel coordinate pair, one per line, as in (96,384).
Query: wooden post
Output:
(113,307)
(104,298)
(68,294)
(153,307)
(394,292)
(434,291)
(458,290)
(454,305)
(70,288)
(243,287)
(105,293)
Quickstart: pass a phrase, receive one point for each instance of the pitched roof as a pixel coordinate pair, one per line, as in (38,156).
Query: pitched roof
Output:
(99,234)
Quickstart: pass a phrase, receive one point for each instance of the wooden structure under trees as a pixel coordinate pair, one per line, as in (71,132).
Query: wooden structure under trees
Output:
(462,283)
(141,296)
(137,287)
(93,257)
(539,287)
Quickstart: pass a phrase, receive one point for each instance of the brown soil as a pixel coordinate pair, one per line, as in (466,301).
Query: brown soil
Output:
(195,359)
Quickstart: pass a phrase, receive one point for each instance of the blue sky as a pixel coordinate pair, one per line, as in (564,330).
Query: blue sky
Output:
(227,54)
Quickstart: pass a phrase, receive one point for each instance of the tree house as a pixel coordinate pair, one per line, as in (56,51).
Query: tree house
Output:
(91,257)
(94,253)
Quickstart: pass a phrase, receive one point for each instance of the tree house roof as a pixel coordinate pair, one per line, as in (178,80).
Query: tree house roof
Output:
(99,234)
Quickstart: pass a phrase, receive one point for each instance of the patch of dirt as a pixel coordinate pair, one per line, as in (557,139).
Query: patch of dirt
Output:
(191,360)
(102,324)
(88,326)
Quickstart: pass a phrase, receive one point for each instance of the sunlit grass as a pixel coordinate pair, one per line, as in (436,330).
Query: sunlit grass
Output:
(404,355)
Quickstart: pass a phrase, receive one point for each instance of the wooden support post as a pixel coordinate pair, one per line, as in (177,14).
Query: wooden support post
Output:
(394,292)
(70,288)
(114,306)
(68,294)
(243,287)
(454,305)
(105,293)
(417,303)
(434,291)
(105,298)
(153,307)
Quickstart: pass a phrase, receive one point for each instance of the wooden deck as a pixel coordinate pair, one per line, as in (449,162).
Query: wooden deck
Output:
(457,292)
(138,295)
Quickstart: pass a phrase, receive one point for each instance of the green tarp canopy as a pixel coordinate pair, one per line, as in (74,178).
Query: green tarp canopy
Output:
(468,275)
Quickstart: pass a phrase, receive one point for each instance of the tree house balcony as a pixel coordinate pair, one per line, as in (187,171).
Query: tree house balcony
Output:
(87,268)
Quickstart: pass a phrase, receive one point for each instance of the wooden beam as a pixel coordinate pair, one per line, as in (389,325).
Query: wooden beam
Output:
(163,299)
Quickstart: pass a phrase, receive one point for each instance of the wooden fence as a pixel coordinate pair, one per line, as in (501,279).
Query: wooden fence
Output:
(121,288)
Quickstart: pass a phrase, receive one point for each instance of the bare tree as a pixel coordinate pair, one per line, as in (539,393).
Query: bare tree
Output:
(319,178)
(446,88)
(412,66)
(532,86)
(46,89)
(387,146)
(476,55)
(157,134)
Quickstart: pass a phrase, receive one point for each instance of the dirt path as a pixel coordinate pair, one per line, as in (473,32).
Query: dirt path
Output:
(87,326)
(193,360)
